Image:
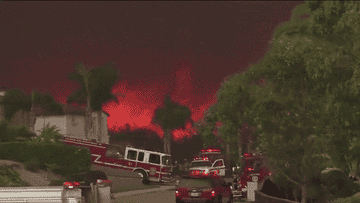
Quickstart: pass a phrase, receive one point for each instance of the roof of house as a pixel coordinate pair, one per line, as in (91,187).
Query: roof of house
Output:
(67,110)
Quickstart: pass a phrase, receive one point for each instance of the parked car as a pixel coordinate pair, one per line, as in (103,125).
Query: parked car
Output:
(89,177)
(210,189)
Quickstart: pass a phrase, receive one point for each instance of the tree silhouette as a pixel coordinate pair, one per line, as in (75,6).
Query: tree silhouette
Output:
(171,116)
(96,86)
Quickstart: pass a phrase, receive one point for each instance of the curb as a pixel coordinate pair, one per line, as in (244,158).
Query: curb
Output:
(135,192)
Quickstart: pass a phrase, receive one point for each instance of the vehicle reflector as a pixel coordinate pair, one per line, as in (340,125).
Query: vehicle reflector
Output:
(103,182)
(71,185)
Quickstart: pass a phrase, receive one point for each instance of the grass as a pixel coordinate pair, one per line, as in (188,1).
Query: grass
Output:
(11,178)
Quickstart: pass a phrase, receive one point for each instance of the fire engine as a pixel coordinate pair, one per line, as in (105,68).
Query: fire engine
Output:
(150,165)
(210,161)
(254,170)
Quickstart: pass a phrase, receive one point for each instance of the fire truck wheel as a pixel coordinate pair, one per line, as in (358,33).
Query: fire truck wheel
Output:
(143,175)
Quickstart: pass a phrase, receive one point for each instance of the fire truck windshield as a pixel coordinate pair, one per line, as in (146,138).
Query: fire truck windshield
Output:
(200,164)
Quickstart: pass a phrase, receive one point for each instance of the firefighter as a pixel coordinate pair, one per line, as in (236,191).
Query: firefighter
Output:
(176,168)
(187,165)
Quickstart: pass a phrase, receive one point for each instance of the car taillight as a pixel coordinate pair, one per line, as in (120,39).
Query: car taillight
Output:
(70,185)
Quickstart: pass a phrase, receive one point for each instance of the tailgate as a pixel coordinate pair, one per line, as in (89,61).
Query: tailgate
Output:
(39,194)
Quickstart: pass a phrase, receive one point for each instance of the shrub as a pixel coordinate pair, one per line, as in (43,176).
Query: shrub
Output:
(6,135)
(32,165)
(338,185)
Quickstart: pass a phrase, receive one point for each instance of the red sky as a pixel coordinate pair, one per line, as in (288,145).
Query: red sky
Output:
(182,48)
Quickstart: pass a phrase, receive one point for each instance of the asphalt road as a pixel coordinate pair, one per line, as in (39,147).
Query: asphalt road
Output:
(165,193)
(167,196)
(150,197)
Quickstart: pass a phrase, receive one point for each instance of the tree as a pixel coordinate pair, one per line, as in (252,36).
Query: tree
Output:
(312,90)
(171,116)
(13,101)
(308,107)
(96,86)
(229,110)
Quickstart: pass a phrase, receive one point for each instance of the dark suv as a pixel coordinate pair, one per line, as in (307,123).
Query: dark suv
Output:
(202,189)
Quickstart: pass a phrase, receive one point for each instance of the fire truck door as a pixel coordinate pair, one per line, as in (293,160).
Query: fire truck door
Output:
(219,165)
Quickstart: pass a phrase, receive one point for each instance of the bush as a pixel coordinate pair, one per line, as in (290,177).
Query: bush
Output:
(338,185)
(6,135)
(32,165)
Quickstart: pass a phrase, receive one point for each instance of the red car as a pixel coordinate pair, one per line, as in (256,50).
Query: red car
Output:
(209,189)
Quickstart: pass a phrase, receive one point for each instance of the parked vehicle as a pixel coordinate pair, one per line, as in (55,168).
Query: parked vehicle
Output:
(69,192)
(150,165)
(254,170)
(202,189)
(210,161)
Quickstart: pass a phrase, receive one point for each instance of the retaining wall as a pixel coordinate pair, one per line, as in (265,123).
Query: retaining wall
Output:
(262,198)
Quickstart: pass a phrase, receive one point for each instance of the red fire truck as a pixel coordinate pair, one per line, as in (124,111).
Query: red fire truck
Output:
(210,161)
(150,165)
(254,170)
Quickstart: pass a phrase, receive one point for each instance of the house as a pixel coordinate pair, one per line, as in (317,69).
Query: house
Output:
(72,123)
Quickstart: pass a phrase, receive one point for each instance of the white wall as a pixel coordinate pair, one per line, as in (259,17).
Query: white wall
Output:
(75,126)
(58,121)
(104,129)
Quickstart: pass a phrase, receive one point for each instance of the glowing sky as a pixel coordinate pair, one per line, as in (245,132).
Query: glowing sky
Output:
(182,48)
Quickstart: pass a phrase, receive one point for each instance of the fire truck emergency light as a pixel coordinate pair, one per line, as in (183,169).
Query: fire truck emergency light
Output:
(250,169)
(210,150)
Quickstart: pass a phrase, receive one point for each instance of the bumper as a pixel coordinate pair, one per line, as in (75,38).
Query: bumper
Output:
(194,200)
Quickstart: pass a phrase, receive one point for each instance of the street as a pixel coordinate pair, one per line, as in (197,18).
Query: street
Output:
(160,196)
(167,196)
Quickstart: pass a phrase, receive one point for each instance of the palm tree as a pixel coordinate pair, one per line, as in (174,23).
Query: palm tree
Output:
(171,116)
(96,86)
